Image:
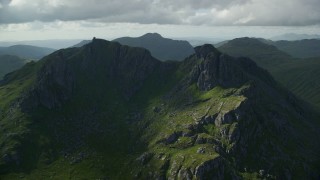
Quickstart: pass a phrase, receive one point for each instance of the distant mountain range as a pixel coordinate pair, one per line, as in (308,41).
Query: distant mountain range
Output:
(294,37)
(111,111)
(161,48)
(306,48)
(26,51)
(53,43)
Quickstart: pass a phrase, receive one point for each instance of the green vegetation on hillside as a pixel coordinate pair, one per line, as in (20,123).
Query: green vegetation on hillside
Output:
(302,78)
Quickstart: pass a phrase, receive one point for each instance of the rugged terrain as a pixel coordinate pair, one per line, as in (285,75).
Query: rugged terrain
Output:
(107,111)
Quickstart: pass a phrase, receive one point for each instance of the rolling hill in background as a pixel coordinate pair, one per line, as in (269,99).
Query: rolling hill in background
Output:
(108,111)
(161,48)
(50,43)
(299,75)
(9,63)
(265,55)
(26,51)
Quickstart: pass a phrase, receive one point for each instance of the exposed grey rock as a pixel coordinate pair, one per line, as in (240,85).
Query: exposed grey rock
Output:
(201,150)
(211,169)
(224,118)
(208,119)
(262,172)
(156,109)
(200,140)
(145,158)
(171,138)
(175,168)
(185,174)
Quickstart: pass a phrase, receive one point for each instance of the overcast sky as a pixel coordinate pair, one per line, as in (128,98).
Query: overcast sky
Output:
(83,19)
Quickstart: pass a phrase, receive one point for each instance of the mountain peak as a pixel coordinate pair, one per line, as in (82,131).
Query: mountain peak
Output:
(161,48)
(264,54)
(247,40)
(152,35)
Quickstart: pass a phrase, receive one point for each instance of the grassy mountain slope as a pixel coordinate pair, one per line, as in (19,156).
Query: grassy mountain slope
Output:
(26,51)
(9,63)
(298,75)
(161,48)
(107,111)
(302,78)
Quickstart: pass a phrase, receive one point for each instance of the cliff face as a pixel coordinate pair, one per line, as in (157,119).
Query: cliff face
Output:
(217,69)
(104,106)
(125,67)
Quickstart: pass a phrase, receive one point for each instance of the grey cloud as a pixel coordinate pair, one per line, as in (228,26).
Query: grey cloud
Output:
(200,4)
(193,12)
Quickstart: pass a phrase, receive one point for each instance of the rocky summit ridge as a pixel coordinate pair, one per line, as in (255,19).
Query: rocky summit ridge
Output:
(106,110)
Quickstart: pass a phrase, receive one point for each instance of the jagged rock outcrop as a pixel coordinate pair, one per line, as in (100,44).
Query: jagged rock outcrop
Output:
(212,168)
(56,81)
(217,69)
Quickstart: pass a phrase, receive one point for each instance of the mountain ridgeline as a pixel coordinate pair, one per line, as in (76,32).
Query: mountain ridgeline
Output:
(110,111)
